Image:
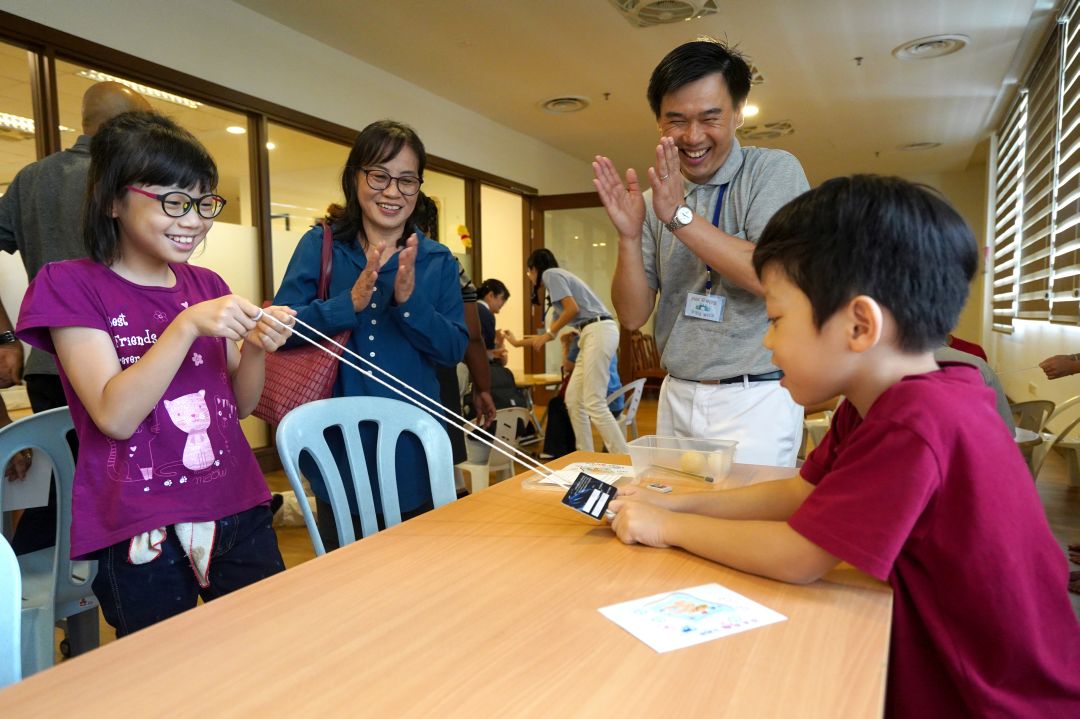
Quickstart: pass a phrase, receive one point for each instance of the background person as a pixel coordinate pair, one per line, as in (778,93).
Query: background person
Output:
(688,239)
(398,292)
(576,305)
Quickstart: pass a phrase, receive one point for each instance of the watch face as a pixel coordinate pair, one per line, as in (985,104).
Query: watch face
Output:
(684,215)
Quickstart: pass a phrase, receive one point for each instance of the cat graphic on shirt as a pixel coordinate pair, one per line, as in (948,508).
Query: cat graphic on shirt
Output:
(191,415)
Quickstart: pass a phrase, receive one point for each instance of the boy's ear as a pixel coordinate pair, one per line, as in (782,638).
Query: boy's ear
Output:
(866,323)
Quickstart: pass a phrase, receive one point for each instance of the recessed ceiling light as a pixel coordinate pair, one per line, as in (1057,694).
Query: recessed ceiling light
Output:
(270,146)
(931,46)
(564,105)
(235,130)
(918,146)
(750,110)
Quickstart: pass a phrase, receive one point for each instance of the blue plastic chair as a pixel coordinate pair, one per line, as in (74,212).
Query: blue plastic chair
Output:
(304,430)
(54,587)
(10,608)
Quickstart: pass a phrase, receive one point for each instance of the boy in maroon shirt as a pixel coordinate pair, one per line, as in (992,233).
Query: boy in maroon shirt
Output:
(918,482)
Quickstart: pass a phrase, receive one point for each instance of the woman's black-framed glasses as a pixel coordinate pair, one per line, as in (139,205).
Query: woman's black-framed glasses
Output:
(178,204)
(380,180)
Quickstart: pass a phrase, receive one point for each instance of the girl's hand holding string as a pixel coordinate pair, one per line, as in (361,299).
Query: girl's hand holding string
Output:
(364,286)
(405,281)
(231,317)
(269,334)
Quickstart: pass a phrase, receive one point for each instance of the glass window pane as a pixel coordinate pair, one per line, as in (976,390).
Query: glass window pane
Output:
(503,259)
(585,243)
(17,150)
(305,177)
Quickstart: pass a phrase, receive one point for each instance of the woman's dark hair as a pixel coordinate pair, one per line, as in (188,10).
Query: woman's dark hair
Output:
(897,242)
(494,287)
(377,143)
(137,148)
(694,60)
(541,260)
(426,216)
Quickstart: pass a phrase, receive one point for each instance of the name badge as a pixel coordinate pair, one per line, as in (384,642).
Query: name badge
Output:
(705,307)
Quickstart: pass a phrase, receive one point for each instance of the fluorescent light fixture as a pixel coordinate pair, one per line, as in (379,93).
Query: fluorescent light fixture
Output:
(141,89)
(750,110)
(236,130)
(22,124)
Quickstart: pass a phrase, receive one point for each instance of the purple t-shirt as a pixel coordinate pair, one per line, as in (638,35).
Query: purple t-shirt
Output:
(188,461)
(930,493)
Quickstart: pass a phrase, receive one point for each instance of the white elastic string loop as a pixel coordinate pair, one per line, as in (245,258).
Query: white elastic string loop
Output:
(436,410)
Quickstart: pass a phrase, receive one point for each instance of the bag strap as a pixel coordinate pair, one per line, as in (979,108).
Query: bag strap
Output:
(327,260)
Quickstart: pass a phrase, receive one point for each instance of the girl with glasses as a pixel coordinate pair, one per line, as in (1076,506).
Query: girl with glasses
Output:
(398,292)
(167,495)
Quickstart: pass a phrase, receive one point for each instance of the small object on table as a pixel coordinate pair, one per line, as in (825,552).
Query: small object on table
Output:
(659,487)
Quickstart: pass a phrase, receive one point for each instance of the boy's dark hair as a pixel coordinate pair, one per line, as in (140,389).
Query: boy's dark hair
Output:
(494,287)
(541,260)
(694,60)
(884,237)
(378,142)
(137,148)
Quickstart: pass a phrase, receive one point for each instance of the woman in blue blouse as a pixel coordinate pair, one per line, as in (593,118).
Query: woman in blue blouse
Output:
(393,287)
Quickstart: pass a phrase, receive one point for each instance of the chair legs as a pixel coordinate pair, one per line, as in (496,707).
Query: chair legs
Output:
(83,632)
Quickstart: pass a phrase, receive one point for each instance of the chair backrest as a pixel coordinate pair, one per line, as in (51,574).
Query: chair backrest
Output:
(304,430)
(1048,447)
(1032,414)
(47,432)
(10,609)
(507,422)
(630,407)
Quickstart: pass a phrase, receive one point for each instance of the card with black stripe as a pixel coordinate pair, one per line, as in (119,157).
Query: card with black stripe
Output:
(589,495)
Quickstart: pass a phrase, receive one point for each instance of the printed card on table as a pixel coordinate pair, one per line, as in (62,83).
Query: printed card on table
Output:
(686,617)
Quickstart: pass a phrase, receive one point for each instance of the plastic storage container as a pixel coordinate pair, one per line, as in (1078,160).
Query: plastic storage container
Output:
(658,458)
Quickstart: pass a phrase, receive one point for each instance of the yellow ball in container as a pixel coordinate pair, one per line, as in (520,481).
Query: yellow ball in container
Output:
(693,463)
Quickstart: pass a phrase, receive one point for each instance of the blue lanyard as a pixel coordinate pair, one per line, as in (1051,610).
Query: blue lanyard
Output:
(716,224)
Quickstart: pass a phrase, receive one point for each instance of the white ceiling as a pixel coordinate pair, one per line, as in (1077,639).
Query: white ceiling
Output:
(502,57)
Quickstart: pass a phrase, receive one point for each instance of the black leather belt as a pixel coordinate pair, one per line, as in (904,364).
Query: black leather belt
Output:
(601,318)
(773,376)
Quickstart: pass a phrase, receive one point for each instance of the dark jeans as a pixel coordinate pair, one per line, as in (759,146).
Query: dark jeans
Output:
(328,527)
(37,526)
(134,596)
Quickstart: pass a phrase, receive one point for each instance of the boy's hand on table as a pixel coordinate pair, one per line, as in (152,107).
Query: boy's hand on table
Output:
(638,522)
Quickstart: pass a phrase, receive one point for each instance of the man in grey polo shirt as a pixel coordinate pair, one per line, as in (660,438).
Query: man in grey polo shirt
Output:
(690,238)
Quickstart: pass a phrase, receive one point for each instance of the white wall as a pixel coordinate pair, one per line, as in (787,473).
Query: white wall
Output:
(232,46)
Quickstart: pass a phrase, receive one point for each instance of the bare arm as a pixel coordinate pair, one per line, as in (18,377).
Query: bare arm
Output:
(743,528)
(117,401)
(630,292)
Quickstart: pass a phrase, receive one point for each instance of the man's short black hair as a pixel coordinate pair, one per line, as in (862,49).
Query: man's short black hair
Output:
(494,287)
(694,60)
(884,237)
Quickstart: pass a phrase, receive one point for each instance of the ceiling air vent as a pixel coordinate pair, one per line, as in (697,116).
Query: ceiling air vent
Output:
(766,131)
(564,105)
(646,13)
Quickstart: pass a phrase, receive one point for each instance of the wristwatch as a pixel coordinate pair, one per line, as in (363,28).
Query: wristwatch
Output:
(7,338)
(683,217)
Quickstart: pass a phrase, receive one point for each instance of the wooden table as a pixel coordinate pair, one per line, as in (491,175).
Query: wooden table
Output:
(486,607)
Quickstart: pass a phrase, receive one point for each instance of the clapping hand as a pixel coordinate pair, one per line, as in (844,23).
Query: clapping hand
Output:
(625,206)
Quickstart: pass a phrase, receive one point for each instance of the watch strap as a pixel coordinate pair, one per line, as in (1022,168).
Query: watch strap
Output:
(7,338)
